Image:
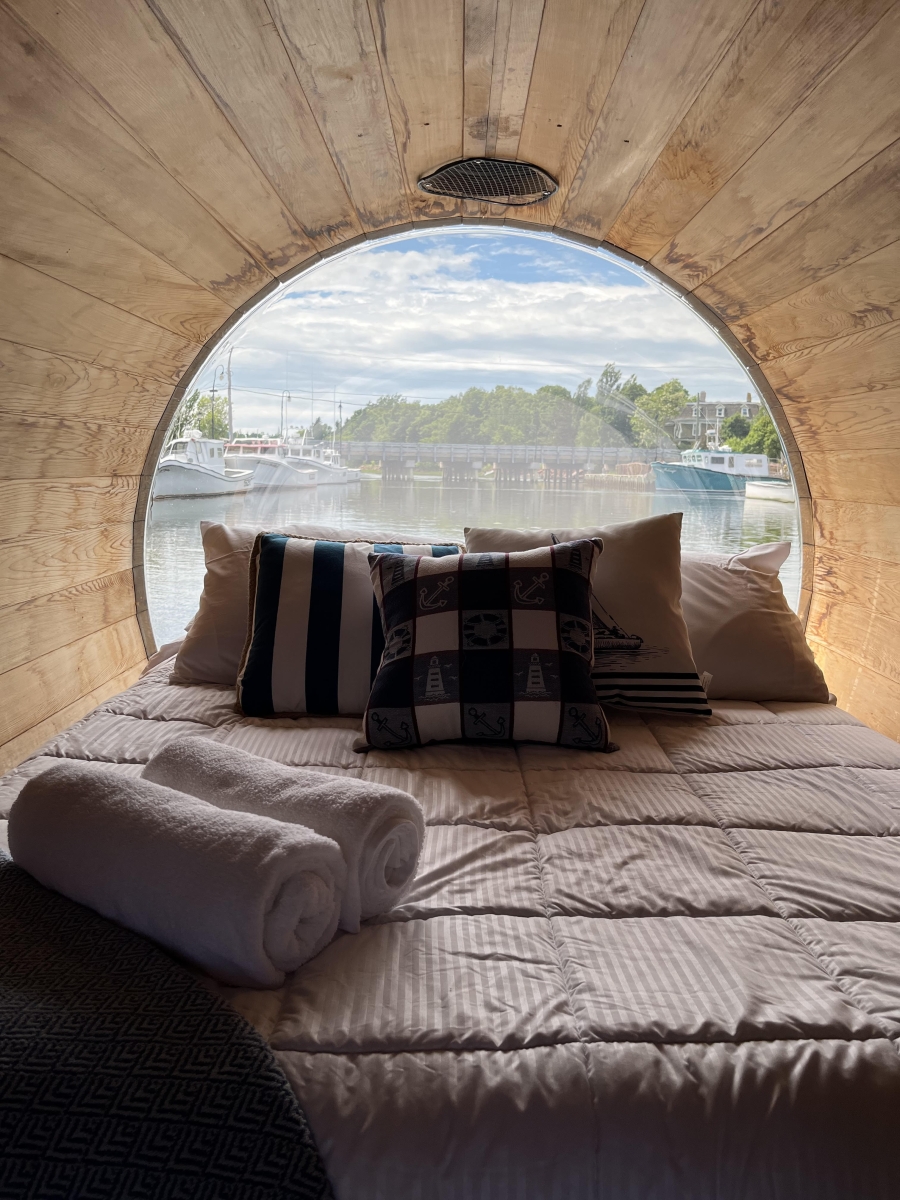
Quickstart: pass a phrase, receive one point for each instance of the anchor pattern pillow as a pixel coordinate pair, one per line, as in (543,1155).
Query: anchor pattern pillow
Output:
(486,648)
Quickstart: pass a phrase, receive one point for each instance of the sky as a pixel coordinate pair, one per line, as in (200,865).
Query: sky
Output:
(431,313)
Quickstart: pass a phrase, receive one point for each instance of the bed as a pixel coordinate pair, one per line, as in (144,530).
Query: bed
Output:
(672,971)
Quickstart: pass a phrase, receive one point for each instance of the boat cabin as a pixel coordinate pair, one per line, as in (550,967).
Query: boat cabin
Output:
(554,857)
(754,465)
(203,451)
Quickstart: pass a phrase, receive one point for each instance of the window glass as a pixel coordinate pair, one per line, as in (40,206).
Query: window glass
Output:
(461,376)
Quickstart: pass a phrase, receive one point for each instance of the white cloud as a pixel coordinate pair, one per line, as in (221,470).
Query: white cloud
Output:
(434,313)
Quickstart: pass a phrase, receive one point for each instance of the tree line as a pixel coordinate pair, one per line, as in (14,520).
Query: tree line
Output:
(610,411)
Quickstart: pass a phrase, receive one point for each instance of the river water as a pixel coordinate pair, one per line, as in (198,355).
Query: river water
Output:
(174,554)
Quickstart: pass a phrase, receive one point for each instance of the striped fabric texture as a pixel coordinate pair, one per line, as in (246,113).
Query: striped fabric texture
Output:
(642,652)
(488,648)
(315,638)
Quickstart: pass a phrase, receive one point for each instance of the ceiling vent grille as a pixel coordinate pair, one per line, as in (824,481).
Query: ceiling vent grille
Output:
(496,180)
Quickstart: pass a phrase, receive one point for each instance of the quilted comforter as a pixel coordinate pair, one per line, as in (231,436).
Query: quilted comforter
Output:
(673,971)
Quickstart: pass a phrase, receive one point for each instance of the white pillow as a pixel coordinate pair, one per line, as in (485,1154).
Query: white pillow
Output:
(743,631)
(642,653)
(214,641)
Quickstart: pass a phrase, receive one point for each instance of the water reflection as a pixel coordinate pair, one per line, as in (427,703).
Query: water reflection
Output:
(174,555)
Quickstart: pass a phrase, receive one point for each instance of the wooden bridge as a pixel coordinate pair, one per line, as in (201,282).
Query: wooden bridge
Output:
(461,461)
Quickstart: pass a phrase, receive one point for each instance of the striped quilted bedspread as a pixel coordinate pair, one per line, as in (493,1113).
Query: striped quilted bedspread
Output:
(673,971)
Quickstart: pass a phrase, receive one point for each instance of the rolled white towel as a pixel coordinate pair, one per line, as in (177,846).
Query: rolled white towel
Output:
(244,897)
(379,828)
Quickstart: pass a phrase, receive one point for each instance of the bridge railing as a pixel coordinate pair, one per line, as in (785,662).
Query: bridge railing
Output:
(588,457)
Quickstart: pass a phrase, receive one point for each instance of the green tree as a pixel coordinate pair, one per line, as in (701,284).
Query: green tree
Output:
(734,430)
(204,413)
(762,438)
(613,405)
(657,407)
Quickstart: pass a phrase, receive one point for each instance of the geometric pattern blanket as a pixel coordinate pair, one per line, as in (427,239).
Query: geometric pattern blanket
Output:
(122,1076)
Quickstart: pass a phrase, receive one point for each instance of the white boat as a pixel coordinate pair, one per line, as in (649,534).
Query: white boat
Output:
(770,489)
(196,466)
(324,460)
(269,463)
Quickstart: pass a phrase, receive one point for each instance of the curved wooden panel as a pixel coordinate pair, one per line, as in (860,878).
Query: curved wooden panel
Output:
(163,164)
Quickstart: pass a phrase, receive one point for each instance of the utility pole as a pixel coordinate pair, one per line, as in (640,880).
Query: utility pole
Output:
(285,401)
(230,410)
(212,410)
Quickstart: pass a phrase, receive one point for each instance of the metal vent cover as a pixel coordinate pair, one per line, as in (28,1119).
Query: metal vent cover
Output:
(496,180)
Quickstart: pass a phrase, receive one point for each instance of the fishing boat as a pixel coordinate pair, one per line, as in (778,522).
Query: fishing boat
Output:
(323,459)
(197,466)
(770,489)
(719,471)
(269,463)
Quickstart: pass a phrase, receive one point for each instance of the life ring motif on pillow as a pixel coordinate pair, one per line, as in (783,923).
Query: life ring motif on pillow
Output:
(576,635)
(486,630)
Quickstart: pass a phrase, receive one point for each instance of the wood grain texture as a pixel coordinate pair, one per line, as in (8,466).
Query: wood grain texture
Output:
(478,68)
(510,86)
(851,221)
(674,49)
(847,577)
(35,382)
(857,533)
(848,423)
(420,50)
(129,62)
(45,228)
(37,564)
(41,312)
(63,617)
(848,119)
(32,506)
(853,365)
(782,52)
(332,49)
(872,697)
(870,637)
(66,675)
(52,448)
(16,749)
(235,49)
(49,122)
(579,50)
(857,475)
(860,296)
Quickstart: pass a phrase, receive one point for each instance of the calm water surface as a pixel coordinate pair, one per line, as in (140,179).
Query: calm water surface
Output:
(174,554)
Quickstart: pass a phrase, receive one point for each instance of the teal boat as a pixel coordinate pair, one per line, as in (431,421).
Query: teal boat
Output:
(705,471)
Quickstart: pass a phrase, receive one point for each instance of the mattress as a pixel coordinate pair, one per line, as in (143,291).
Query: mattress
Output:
(673,971)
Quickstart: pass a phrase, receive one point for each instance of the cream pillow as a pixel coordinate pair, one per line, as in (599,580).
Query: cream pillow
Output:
(743,631)
(642,653)
(214,642)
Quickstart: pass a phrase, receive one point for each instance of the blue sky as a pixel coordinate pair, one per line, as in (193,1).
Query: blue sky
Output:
(431,313)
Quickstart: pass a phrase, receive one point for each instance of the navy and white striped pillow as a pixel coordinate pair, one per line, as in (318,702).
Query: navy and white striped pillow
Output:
(315,637)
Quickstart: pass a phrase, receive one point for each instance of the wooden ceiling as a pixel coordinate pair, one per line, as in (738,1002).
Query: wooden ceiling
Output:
(165,161)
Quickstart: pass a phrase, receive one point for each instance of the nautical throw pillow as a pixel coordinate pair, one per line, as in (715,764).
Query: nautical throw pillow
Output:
(315,637)
(642,653)
(211,652)
(487,648)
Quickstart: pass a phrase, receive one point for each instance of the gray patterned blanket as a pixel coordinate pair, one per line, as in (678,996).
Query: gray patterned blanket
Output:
(121,1076)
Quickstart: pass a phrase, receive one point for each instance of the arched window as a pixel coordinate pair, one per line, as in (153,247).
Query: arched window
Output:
(449,377)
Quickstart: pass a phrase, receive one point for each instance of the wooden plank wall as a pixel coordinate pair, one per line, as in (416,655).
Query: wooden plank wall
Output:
(162,162)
